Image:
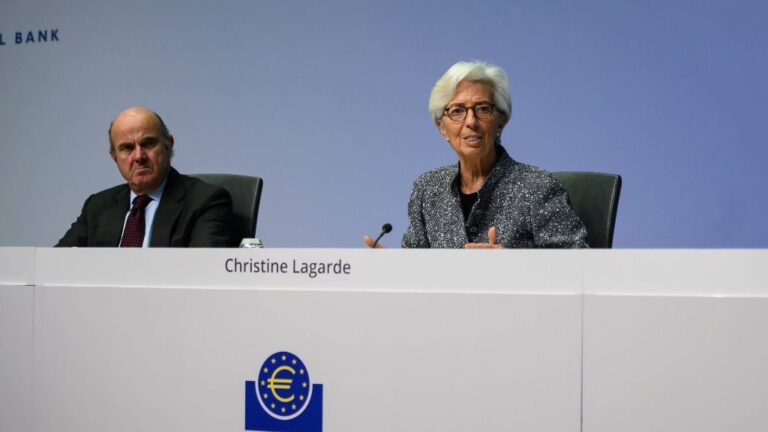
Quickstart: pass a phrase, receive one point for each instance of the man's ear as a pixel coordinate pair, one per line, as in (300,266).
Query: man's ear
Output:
(169,145)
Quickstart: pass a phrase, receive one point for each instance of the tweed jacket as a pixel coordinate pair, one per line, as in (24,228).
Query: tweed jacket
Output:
(527,205)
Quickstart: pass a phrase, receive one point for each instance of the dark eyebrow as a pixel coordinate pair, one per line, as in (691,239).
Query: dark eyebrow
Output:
(149,141)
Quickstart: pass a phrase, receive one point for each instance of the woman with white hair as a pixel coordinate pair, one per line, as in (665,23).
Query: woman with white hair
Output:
(487,200)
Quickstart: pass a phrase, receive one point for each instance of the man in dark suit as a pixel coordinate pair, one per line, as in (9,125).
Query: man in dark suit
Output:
(157,207)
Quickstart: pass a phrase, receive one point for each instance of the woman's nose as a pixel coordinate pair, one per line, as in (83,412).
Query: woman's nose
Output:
(470,120)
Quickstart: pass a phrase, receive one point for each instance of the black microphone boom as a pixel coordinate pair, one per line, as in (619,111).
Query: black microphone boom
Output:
(386,228)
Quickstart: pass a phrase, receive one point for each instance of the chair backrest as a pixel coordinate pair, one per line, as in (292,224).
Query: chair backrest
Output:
(246,195)
(595,199)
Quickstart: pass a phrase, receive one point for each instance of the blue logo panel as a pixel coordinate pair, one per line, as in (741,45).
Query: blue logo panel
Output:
(283,399)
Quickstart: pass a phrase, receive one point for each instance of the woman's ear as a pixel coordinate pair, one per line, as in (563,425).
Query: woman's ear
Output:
(443,130)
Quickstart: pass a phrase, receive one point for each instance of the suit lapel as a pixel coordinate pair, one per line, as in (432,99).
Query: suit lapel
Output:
(114,218)
(455,221)
(168,211)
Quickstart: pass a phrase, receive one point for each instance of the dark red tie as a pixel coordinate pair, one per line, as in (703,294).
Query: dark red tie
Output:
(133,235)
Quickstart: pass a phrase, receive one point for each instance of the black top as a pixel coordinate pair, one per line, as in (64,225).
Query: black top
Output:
(467,201)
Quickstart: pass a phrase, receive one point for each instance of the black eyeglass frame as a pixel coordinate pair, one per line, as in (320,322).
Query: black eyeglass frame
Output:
(474,111)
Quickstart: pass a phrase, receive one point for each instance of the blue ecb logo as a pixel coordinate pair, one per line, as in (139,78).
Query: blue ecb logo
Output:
(284,389)
(283,399)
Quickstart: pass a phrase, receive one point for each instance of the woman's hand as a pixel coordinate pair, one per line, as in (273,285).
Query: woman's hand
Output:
(490,245)
(370,241)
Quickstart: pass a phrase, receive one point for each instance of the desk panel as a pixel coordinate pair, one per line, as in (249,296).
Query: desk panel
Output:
(16,335)
(667,363)
(176,359)
(17,266)
(474,271)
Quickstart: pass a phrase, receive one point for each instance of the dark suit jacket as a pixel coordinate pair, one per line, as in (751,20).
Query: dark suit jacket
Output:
(191,214)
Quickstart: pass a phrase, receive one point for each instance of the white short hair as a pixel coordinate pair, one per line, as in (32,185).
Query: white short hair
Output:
(481,71)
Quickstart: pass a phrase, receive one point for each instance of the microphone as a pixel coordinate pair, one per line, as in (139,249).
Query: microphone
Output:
(386,228)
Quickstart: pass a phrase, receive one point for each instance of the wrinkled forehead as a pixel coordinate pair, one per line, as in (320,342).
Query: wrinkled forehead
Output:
(133,124)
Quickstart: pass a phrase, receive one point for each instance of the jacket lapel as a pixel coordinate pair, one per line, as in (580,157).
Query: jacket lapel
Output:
(171,204)
(114,218)
(454,222)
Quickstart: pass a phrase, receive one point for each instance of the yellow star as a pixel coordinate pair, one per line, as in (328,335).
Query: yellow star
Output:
(294,407)
(301,371)
(273,360)
(282,409)
(293,361)
(283,358)
(301,397)
(272,406)
(266,396)
(304,385)
(263,383)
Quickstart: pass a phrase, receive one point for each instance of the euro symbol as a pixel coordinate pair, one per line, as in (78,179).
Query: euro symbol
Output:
(275,384)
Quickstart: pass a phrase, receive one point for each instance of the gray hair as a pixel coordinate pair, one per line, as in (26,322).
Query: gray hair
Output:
(481,71)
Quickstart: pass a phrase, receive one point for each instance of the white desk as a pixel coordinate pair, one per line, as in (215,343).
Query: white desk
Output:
(676,340)
(407,340)
(17,276)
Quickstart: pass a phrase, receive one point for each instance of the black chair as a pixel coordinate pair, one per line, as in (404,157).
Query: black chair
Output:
(246,195)
(595,198)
